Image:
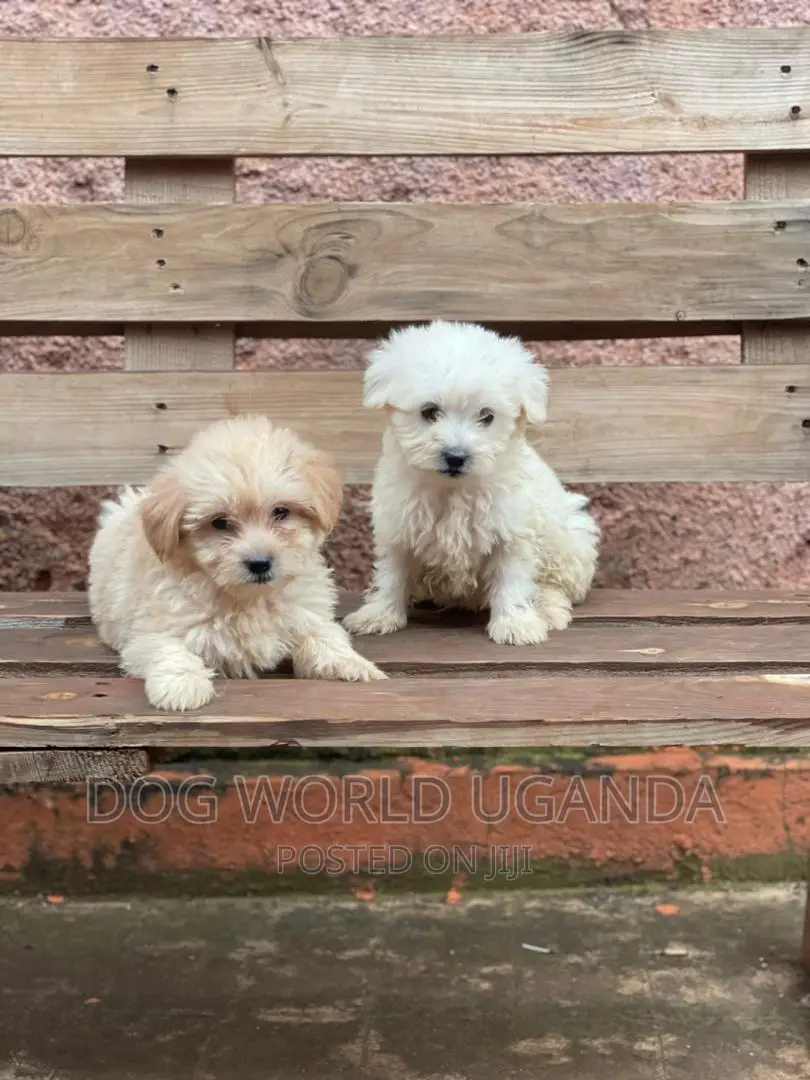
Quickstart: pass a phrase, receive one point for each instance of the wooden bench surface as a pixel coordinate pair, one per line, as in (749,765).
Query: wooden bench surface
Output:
(635,668)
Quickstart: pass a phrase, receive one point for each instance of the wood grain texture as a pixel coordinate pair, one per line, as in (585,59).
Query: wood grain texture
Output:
(605,424)
(779,177)
(71,766)
(762,710)
(576,92)
(171,347)
(32,611)
(444,644)
(307,263)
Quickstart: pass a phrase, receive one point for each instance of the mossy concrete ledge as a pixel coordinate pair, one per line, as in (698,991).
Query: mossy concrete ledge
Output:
(251,826)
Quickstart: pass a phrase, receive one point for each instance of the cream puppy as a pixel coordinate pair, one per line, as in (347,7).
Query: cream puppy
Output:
(217,566)
(465,511)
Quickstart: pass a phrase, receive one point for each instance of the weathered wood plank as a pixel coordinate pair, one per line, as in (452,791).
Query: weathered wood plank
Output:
(71,766)
(446,643)
(764,710)
(179,348)
(402,262)
(662,424)
(780,177)
(576,92)
(29,611)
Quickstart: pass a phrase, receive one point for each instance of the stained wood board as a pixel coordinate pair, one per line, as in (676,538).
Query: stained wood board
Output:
(765,709)
(438,645)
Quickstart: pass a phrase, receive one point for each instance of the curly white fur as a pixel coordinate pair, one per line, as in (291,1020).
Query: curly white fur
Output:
(465,511)
(170,585)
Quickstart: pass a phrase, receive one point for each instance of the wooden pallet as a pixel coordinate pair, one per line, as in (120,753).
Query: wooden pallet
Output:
(180,270)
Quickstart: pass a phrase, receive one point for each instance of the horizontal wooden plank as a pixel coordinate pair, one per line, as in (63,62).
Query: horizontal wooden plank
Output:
(31,611)
(762,710)
(71,766)
(307,263)
(446,644)
(605,424)
(615,91)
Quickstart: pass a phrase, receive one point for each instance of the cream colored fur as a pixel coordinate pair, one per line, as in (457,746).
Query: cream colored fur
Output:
(171,592)
(504,535)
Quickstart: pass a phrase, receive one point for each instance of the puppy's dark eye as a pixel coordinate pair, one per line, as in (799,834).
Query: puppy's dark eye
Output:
(485,417)
(280,513)
(430,413)
(221,523)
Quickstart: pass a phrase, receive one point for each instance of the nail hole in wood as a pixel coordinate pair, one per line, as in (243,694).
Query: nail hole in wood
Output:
(801,262)
(152,68)
(172,93)
(780,225)
(795,110)
(785,69)
(162,449)
(99,695)
(806,422)
(160,263)
(174,287)
(157,233)
(788,390)
(162,404)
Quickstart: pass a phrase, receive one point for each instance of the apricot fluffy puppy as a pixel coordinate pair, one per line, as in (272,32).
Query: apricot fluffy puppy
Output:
(217,566)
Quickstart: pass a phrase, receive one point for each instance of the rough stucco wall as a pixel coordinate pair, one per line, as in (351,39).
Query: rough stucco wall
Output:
(656,536)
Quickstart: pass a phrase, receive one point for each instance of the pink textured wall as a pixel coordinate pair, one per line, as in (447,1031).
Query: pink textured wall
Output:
(656,536)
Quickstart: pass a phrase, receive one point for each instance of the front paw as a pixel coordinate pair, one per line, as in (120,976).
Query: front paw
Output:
(350,667)
(523,627)
(179,693)
(374,618)
(357,669)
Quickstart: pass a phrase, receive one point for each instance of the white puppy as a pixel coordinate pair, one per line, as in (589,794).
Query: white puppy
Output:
(465,511)
(217,566)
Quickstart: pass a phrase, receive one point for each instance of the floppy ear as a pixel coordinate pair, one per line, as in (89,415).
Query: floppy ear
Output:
(376,381)
(162,514)
(324,491)
(534,395)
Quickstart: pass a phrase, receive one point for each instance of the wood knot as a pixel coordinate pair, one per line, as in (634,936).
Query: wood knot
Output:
(323,280)
(13,228)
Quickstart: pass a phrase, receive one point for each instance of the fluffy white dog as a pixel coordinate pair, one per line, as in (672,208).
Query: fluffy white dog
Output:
(465,511)
(217,566)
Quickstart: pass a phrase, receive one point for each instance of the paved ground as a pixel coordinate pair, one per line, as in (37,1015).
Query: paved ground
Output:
(406,989)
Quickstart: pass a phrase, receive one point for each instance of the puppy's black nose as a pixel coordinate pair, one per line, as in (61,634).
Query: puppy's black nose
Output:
(259,568)
(453,461)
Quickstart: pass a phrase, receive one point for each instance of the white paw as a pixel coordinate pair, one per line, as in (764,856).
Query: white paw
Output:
(521,627)
(374,618)
(358,669)
(346,668)
(179,693)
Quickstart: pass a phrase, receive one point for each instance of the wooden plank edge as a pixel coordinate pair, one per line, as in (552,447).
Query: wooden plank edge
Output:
(368,330)
(665,606)
(236,733)
(71,766)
